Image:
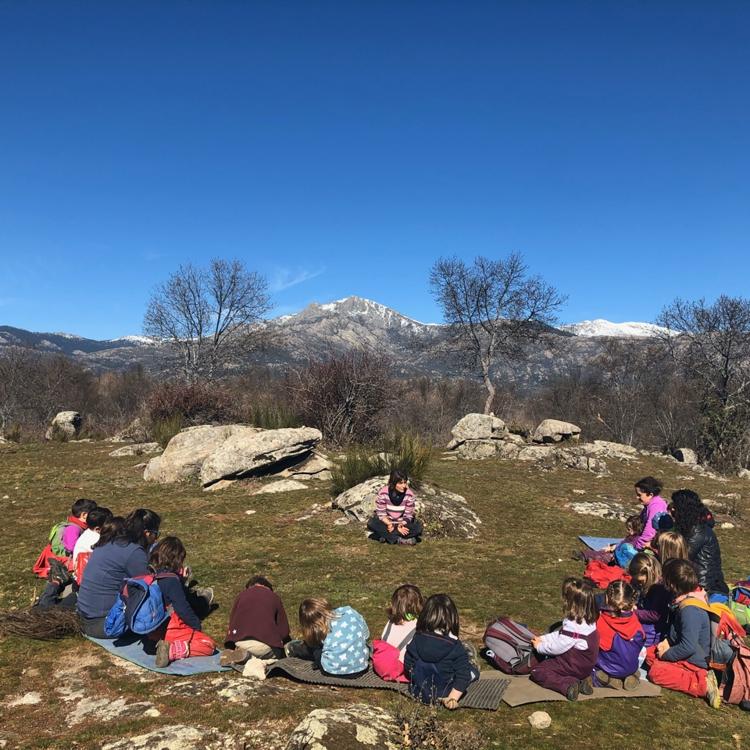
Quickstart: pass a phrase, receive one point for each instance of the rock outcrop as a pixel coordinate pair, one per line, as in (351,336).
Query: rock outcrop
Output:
(686,456)
(136,449)
(135,432)
(443,513)
(555,431)
(316,467)
(244,453)
(65,426)
(357,726)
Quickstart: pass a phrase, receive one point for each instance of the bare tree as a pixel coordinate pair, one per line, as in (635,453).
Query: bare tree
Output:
(208,315)
(711,345)
(494,310)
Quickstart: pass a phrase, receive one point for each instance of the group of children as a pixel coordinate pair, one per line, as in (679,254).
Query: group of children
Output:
(657,617)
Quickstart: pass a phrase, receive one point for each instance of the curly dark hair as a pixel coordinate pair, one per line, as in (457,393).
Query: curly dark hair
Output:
(687,510)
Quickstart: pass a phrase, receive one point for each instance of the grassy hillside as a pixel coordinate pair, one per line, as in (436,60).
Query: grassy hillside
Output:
(514,568)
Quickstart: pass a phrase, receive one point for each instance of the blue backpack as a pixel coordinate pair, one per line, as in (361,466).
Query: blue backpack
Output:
(139,607)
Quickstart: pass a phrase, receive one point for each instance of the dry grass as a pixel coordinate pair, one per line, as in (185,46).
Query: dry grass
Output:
(514,568)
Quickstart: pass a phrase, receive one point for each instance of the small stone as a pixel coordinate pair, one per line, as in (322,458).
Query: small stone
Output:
(579,492)
(341,521)
(152,713)
(727,525)
(6,497)
(540,720)
(250,512)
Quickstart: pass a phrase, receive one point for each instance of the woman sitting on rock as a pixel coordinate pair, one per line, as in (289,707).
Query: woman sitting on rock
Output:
(394,520)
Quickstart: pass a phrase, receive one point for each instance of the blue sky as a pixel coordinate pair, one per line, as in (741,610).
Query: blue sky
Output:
(341,147)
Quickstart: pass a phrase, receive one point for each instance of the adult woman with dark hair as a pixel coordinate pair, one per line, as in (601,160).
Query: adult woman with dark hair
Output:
(394,520)
(703,547)
(119,554)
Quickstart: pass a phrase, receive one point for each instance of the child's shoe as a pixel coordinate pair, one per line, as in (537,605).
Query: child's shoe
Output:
(58,573)
(162,654)
(572,692)
(631,682)
(713,696)
(231,656)
(407,540)
(586,686)
(296,648)
(205,593)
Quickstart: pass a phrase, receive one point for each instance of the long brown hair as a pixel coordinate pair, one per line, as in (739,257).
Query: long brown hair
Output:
(406,600)
(168,554)
(578,601)
(315,615)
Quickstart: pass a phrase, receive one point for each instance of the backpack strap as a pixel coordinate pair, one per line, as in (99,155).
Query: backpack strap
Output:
(406,640)
(387,631)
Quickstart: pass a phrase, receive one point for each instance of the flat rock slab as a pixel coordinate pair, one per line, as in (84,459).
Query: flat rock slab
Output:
(243,453)
(356,726)
(136,449)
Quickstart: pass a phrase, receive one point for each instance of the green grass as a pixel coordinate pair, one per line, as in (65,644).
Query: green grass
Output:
(514,568)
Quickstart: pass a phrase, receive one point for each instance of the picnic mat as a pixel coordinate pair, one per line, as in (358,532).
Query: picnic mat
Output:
(486,693)
(522,690)
(599,542)
(131,649)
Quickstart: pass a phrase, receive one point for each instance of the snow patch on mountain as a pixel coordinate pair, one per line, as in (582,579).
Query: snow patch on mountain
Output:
(134,339)
(359,306)
(601,327)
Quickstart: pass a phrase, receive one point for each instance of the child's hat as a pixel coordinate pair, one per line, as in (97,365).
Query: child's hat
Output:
(662,521)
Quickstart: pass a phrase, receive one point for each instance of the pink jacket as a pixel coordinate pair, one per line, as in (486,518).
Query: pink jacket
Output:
(656,505)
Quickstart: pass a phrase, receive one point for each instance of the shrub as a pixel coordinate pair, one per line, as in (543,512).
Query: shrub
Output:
(272,417)
(13,433)
(421,729)
(401,451)
(196,403)
(163,430)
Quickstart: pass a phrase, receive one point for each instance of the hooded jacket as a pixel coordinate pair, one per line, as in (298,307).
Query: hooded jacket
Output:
(620,642)
(704,551)
(436,664)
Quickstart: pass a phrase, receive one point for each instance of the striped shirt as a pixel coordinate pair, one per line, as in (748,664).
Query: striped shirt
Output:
(387,509)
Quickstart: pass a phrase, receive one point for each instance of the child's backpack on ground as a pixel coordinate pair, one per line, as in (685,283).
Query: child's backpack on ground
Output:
(736,682)
(739,603)
(509,648)
(386,658)
(139,607)
(725,631)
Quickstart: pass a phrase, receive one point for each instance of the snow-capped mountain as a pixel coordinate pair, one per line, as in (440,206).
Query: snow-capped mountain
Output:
(601,327)
(320,330)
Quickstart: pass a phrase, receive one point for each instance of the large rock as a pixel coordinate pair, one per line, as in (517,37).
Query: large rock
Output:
(555,431)
(315,467)
(478,427)
(65,426)
(360,726)
(477,449)
(608,449)
(443,513)
(136,449)
(686,456)
(187,450)
(135,432)
(245,452)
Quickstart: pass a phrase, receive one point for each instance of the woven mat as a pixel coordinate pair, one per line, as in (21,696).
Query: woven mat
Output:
(522,690)
(485,694)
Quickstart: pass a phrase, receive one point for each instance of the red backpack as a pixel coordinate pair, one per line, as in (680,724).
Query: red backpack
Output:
(386,659)
(736,681)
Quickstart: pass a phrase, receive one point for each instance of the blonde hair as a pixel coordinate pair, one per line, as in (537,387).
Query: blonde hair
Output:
(578,601)
(671,545)
(621,597)
(315,617)
(648,564)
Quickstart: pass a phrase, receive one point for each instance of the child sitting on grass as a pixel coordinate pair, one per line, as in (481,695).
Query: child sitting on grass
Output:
(258,625)
(574,648)
(181,636)
(621,553)
(389,651)
(335,639)
(621,639)
(84,544)
(652,605)
(439,666)
(680,662)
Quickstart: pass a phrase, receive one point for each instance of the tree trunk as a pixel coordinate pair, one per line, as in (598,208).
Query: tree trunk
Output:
(489,385)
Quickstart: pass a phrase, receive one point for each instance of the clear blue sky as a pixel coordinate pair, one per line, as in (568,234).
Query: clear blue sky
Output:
(341,147)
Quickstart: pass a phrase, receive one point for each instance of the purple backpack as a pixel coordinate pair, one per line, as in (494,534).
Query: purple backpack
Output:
(509,646)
